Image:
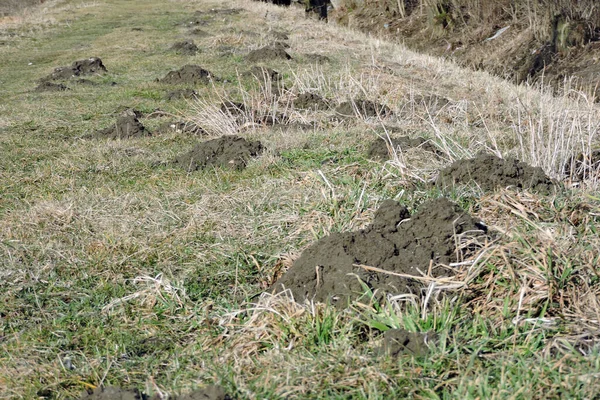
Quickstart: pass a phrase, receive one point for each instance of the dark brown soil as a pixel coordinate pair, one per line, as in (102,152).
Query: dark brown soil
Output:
(490,172)
(261,73)
(227,151)
(89,66)
(186,47)
(311,101)
(51,87)
(584,166)
(181,94)
(329,271)
(182,127)
(363,108)
(188,75)
(211,392)
(127,126)
(397,342)
(268,53)
(380,148)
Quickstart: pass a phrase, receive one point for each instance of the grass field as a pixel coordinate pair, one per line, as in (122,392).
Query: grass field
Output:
(118,268)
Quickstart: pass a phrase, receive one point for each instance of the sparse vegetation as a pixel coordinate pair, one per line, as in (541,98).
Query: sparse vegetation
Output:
(119,268)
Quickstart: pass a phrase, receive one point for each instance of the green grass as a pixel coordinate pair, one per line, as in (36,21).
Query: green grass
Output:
(119,269)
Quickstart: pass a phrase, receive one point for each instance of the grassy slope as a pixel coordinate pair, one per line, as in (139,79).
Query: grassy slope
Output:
(118,271)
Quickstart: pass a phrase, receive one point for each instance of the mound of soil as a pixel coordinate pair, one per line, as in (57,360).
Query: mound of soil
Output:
(490,172)
(89,66)
(188,75)
(267,53)
(395,242)
(187,47)
(51,87)
(399,341)
(227,151)
(311,101)
(181,94)
(364,108)
(181,127)
(261,73)
(584,166)
(380,147)
(127,126)
(211,392)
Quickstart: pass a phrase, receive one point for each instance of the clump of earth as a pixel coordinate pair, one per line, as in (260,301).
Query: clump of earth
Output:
(187,47)
(337,268)
(89,66)
(363,108)
(490,172)
(267,53)
(311,101)
(260,73)
(127,126)
(188,75)
(211,392)
(380,148)
(227,151)
(51,87)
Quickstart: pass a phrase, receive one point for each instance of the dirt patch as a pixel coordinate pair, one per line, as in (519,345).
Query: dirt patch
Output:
(584,166)
(311,101)
(268,53)
(397,342)
(51,87)
(182,127)
(186,47)
(127,126)
(395,242)
(490,172)
(381,148)
(89,66)
(227,151)
(188,75)
(211,392)
(181,94)
(362,108)
(261,73)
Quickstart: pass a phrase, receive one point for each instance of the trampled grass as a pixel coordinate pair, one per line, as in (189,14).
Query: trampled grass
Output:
(119,269)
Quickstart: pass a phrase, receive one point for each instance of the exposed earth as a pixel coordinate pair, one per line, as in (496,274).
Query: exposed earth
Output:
(211,392)
(227,151)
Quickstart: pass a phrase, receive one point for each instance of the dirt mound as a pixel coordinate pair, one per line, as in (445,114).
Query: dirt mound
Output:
(51,87)
(311,101)
(261,73)
(227,151)
(491,172)
(380,147)
(584,166)
(211,392)
(181,127)
(186,47)
(267,53)
(363,108)
(89,66)
(127,126)
(181,94)
(395,242)
(188,74)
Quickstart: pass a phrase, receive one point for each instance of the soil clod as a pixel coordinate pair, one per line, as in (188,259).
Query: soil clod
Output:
(186,47)
(127,126)
(89,66)
(227,151)
(268,53)
(51,87)
(490,172)
(311,101)
(188,74)
(339,267)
